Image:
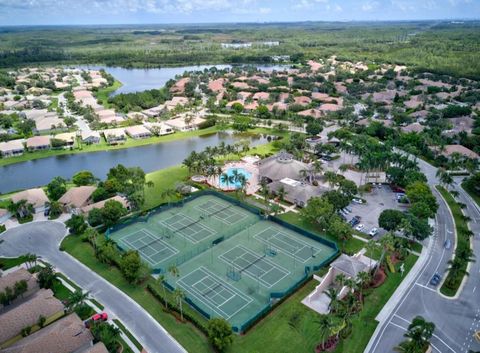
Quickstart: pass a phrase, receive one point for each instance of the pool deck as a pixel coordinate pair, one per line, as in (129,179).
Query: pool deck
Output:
(253,184)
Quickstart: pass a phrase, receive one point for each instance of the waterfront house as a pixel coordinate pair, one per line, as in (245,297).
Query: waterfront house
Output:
(90,137)
(76,198)
(138,132)
(12,148)
(38,143)
(36,197)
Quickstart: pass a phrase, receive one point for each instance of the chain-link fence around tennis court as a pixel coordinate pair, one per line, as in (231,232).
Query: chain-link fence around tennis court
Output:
(231,262)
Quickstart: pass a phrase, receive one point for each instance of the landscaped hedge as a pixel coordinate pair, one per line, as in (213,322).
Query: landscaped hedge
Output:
(175,308)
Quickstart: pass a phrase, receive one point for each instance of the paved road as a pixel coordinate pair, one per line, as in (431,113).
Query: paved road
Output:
(456,319)
(81,123)
(43,239)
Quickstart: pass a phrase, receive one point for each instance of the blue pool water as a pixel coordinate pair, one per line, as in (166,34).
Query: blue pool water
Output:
(236,184)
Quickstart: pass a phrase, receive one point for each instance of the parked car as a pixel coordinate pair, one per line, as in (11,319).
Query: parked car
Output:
(435,279)
(358,201)
(359,227)
(354,221)
(448,244)
(96,317)
(342,216)
(373,232)
(348,209)
(345,211)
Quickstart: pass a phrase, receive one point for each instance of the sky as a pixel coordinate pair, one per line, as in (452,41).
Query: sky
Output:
(77,12)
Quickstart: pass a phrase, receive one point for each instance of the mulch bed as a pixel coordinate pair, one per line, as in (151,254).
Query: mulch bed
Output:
(329,346)
(379,278)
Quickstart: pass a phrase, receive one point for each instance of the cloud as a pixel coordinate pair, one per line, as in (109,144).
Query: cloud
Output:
(308,4)
(370,6)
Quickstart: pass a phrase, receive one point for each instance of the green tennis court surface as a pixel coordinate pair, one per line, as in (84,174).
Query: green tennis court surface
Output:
(232,262)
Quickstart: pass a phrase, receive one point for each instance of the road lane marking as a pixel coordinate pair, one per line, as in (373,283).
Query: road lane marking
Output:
(425,287)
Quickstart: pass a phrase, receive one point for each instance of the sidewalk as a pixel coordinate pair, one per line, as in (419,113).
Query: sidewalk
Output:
(404,286)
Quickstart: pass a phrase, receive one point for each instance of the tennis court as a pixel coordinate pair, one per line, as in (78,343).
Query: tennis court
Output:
(278,240)
(187,227)
(255,265)
(231,261)
(213,291)
(151,246)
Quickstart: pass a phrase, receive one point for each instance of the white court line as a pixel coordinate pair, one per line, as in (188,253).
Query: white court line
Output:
(251,275)
(191,221)
(305,245)
(208,303)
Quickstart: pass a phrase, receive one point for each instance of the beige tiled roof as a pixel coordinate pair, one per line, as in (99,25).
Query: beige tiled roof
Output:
(96,348)
(38,141)
(64,336)
(36,197)
(42,303)
(77,196)
(100,204)
(13,145)
(464,151)
(19,275)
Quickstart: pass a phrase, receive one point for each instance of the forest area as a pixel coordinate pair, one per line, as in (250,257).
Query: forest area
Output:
(440,47)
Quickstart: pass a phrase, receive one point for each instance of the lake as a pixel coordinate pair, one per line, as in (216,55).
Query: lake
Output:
(137,80)
(150,158)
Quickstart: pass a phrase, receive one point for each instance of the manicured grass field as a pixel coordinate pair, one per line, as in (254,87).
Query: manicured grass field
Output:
(7,263)
(104,93)
(462,241)
(473,195)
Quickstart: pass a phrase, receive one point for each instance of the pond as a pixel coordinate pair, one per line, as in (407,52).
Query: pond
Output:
(150,158)
(137,80)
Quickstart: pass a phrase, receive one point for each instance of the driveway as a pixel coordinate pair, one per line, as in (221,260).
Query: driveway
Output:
(43,239)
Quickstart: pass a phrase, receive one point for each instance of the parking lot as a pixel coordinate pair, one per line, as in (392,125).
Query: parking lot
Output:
(379,199)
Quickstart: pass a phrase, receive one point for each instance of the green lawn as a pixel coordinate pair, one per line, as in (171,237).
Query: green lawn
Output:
(163,179)
(7,263)
(60,291)
(462,242)
(128,334)
(103,93)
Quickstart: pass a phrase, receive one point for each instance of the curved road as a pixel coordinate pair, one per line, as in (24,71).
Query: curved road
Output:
(43,239)
(455,319)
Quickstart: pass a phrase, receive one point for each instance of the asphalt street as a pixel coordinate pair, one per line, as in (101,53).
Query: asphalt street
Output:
(43,239)
(457,319)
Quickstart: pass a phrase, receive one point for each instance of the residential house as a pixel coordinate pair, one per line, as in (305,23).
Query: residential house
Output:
(159,129)
(12,148)
(19,316)
(109,116)
(21,274)
(66,335)
(114,136)
(38,143)
(68,138)
(182,124)
(261,96)
(138,132)
(414,127)
(36,197)
(90,137)
(76,198)
(101,204)
(463,151)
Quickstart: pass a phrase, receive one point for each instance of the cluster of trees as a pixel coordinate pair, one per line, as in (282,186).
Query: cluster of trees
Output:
(137,101)
(10,294)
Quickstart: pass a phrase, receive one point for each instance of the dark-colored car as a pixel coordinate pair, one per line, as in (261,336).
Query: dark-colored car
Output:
(354,221)
(435,279)
(96,317)
(448,244)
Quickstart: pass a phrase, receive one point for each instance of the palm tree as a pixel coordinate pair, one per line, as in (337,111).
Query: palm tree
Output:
(363,279)
(168,194)
(418,333)
(371,247)
(264,189)
(340,278)
(77,299)
(179,296)
(174,271)
(281,192)
(387,242)
(226,179)
(331,178)
(161,281)
(325,324)
(332,294)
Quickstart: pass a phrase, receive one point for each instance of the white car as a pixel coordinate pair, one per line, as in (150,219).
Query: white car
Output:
(359,227)
(373,232)
(358,201)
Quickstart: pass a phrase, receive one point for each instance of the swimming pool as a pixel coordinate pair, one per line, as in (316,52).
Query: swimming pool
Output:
(234,184)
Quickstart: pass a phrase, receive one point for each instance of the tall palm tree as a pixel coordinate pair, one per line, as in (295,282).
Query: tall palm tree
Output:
(161,281)
(281,192)
(325,325)
(332,294)
(418,333)
(77,299)
(340,278)
(388,243)
(179,296)
(168,194)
